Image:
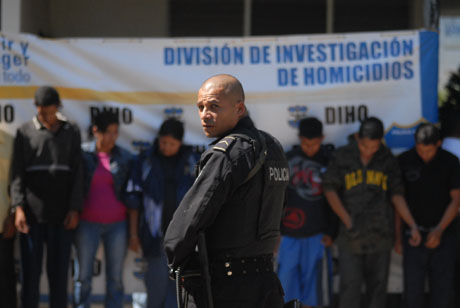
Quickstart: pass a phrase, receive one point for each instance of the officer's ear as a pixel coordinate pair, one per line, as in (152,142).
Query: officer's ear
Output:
(240,108)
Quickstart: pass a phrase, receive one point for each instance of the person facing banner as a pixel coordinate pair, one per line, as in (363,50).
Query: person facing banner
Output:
(236,201)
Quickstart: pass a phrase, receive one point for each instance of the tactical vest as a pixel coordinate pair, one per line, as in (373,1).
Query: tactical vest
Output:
(248,223)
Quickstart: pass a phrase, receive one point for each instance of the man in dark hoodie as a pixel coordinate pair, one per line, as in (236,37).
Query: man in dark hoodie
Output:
(362,180)
(309,225)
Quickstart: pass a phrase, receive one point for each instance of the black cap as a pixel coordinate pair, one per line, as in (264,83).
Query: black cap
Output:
(47,96)
(371,128)
(427,133)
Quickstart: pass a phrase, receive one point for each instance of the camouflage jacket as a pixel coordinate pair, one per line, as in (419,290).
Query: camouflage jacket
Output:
(366,193)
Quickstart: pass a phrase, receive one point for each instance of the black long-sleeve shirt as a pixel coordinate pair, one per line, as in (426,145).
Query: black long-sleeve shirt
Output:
(46,174)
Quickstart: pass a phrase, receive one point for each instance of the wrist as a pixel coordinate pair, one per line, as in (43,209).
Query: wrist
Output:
(17,208)
(349,224)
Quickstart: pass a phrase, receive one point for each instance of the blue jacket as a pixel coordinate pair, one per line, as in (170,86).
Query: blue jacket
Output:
(146,189)
(121,162)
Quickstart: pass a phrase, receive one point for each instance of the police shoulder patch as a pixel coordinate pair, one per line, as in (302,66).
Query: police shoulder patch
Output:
(224,144)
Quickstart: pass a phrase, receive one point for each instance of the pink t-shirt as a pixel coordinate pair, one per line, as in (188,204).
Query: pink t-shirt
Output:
(101,204)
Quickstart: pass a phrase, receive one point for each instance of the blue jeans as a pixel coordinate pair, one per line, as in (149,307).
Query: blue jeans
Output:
(300,270)
(160,289)
(114,239)
(58,243)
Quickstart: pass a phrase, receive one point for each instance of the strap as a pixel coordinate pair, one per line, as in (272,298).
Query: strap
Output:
(260,161)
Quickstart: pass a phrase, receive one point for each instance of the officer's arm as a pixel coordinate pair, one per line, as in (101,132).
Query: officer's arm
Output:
(200,206)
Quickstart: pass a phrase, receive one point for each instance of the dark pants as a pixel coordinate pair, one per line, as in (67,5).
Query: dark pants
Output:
(457,262)
(262,290)
(437,264)
(7,274)
(58,242)
(358,269)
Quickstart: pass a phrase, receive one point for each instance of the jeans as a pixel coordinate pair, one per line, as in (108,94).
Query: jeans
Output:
(58,244)
(161,291)
(356,269)
(7,276)
(437,264)
(300,270)
(114,239)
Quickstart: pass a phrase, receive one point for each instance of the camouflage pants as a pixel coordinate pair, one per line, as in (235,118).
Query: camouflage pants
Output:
(357,269)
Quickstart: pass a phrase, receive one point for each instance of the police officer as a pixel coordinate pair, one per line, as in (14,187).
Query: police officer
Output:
(237,201)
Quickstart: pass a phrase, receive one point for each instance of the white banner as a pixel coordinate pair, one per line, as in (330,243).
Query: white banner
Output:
(340,79)
(449,48)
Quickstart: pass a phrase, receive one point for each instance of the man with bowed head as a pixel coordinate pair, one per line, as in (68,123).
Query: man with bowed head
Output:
(161,177)
(432,189)
(236,201)
(363,179)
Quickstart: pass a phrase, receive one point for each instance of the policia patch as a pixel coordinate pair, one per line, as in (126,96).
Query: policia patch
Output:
(276,173)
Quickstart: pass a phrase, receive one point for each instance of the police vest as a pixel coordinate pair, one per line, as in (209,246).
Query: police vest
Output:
(248,223)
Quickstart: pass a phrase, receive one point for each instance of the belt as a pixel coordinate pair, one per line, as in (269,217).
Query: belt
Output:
(242,266)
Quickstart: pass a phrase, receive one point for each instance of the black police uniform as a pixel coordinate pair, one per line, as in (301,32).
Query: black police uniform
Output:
(240,214)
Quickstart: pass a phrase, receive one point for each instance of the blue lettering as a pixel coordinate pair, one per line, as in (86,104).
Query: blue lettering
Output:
(322,75)
(409,74)
(188,55)
(376,54)
(332,47)
(207,59)
(357,73)
(387,71)
(363,52)
(322,53)
(336,74)
(351,51)
(254,53)
(408,47)
(396,70)
(376,71)
(309,76)
(310,53)
(168,56)
(299,53)
(266,53)
(238,53)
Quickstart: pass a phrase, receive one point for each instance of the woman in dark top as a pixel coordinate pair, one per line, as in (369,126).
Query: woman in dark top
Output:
(162,175)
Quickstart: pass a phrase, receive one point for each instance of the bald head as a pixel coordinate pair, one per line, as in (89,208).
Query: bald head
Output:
(227,85)
(220,104)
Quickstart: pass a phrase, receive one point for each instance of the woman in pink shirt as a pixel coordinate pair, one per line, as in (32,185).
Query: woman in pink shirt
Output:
(105,215)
